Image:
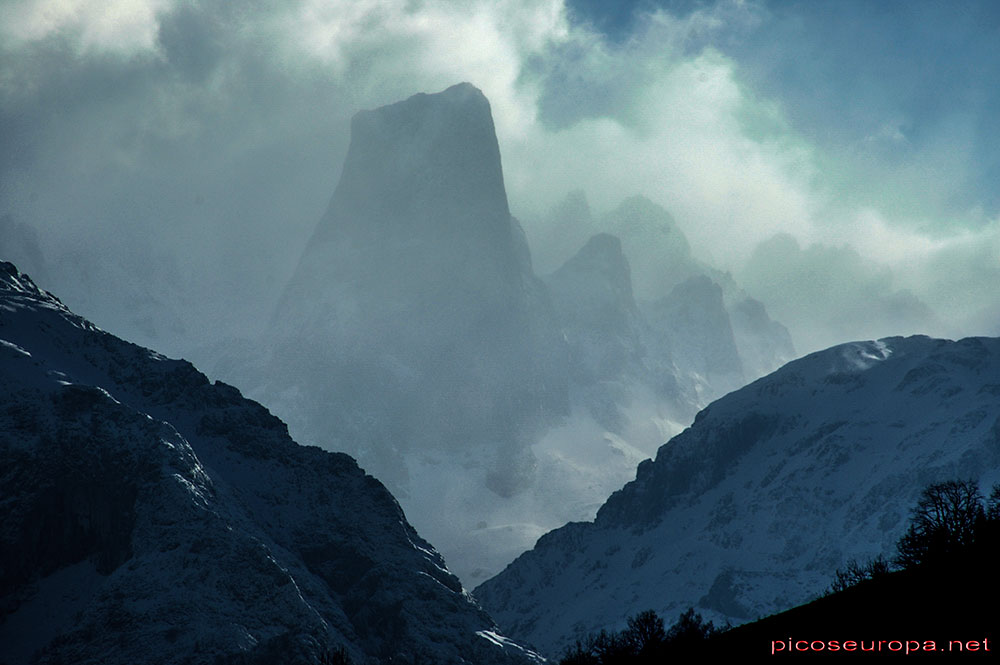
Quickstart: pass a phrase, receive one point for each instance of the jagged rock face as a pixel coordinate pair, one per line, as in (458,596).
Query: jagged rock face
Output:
(764,344)
(693,323)
(151,516)
(680,348)
(662,267)
(656,248)
(565,230)
(592,297)
(414,334)
(775,486)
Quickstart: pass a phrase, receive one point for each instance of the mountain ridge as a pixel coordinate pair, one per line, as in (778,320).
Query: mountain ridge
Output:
(179,521)
(773,487)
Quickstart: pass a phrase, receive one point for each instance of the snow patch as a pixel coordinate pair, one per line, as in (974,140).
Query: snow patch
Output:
(14,347)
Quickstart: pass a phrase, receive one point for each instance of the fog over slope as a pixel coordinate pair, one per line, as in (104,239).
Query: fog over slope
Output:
(495,403)
(830,167)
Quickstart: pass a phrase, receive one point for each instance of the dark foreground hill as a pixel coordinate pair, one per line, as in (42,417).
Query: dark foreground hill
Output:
(942,609)
(152,516)
(948,607)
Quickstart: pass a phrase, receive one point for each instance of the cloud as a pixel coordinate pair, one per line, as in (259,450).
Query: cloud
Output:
(215,131)
(648,116)
(831,294)
(855,77)
(959,278)
(123,27)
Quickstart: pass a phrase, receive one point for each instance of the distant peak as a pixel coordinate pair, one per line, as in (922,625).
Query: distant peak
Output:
(463,88)
(639,207)
(463,96)
(602,244)
(602,254)
(425,167)
(12,279)
(697,286)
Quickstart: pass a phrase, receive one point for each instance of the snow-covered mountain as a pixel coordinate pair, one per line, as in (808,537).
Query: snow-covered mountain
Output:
(153,516)
(774,486)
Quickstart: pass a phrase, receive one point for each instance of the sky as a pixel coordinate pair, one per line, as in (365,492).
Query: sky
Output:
(164,162)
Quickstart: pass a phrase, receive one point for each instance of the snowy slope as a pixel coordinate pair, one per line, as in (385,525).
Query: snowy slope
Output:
(150,516)
(751,509)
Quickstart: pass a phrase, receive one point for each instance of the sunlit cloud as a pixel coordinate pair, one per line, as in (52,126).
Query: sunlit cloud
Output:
(678,134)
(115,26)
(218,130)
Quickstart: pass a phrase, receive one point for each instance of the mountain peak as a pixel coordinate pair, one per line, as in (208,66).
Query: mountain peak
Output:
(420,209)
(19,286)
(460,91)
(658,252)
(424,163)
(602,253)
(12,279)
(416,292)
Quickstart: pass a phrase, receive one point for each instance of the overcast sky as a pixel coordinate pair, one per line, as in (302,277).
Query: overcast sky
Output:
(841,158)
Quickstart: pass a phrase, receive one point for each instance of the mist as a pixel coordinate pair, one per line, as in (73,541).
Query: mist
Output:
(164,164)
(212,138)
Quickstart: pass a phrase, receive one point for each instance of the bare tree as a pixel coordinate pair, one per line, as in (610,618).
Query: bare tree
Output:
(645,633)
(993,505)
(856,573)
(944,522)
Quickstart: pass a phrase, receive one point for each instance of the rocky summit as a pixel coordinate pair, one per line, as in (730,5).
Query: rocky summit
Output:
(413,293)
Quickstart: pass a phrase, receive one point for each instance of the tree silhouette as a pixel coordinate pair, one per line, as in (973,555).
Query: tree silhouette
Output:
(689,633)
(645,633)
(993,505)
(856,573)
(643,641)
(944,523)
